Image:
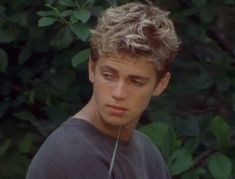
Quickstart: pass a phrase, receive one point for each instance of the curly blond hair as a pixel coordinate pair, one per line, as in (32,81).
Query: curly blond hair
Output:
(137,30)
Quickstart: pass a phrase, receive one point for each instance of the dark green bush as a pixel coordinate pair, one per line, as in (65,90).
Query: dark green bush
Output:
(44,46)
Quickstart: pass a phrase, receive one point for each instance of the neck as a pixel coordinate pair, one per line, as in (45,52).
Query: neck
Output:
(91,115)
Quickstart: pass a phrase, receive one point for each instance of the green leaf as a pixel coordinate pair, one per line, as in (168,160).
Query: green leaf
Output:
(32,96)
(185,13)
(222,60)
(181,161)
(3,60)
(63,78)
(89,4)
(25,54)
(199,3)
(68,3)
(194,174)
(50,2)
(111,2)
(80,30)
(163,136)
(222,82)
(66,13)
(2,9)
(14,165)
(207,13)
(73,19)
(4,105)
(47,13)
(25,116)
(192,143)
(80,57)
(53,8)
(9,35)
(220,128)
(233,101)
(229,2)
(56,115)
(203,80)
(188,127)
(19,18)
(220,166)
(197,32)
(62,39)
(26,144)
(83,15)
(46,21)
(5,146)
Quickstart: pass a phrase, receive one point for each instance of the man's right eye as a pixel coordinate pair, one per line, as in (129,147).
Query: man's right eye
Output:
(108,76)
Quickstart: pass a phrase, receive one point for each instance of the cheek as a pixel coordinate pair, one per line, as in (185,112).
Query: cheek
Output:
(141,100)
(101,89)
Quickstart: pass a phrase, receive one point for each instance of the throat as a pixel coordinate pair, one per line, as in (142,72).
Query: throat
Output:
(91,114)
(107,129)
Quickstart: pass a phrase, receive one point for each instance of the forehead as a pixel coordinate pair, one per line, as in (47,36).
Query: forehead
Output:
(129,65)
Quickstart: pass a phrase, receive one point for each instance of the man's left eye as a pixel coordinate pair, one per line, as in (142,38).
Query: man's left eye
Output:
(108,76)
(138,82)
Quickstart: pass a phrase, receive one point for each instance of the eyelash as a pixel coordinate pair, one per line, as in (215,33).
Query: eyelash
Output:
(137,83)
(108,76)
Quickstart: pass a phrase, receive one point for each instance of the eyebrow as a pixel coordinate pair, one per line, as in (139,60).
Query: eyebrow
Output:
(108,68)
(142,78)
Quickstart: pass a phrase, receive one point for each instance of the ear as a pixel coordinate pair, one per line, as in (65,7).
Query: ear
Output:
(162,84)
(91,69)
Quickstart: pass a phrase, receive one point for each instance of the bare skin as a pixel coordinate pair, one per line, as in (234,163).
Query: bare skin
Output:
(122,89)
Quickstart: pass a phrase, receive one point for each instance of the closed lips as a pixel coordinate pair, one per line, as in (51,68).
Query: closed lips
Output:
(117,107)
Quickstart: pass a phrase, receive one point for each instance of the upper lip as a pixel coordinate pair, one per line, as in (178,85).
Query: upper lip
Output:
(117,107)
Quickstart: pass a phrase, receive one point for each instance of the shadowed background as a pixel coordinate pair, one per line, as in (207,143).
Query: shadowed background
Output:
(44,46)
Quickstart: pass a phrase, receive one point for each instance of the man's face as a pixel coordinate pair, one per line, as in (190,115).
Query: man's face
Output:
(122,88)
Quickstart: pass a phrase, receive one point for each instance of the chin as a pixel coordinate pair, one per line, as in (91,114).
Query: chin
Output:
(115,122)
(120,122)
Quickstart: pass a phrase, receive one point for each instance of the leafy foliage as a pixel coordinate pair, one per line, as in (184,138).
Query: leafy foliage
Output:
(219,165)
(44,46)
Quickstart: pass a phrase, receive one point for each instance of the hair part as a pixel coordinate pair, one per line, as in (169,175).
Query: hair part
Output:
(136,30)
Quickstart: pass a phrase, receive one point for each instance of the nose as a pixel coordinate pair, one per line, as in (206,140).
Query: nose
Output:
(119,91)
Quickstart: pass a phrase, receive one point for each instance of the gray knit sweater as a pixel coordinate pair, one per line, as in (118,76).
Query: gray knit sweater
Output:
(77,150)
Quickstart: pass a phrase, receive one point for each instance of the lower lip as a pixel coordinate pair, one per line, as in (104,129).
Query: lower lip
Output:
(116,111)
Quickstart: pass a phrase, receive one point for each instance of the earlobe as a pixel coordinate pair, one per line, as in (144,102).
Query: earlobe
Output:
(162,85)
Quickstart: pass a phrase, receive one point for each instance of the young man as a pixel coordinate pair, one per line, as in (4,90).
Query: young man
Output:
(132,49)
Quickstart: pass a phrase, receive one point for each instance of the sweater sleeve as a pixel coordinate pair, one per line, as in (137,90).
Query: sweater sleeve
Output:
(65,157)
(154,160)
(160,166)
(48,162)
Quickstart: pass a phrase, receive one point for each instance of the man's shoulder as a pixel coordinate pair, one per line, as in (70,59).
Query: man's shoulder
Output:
(143,138)
(147,145)
(153,158)
(67,152)
(69,135)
